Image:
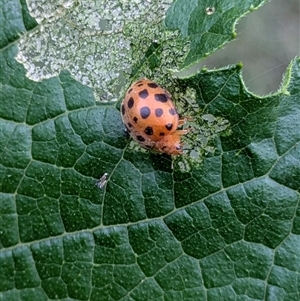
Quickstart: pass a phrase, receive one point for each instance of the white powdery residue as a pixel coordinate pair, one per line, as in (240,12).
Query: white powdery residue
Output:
(86,37)
(46,9)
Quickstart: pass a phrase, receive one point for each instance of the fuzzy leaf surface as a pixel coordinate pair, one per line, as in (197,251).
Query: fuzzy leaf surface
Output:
(227,230)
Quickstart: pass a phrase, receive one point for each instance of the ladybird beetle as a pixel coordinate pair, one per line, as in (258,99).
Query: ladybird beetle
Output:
(151,119)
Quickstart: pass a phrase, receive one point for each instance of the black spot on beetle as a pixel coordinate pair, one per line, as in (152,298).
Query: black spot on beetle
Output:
(164,147)
(129,125)
(169,126)
(172,112)
(123,110)
(153,85)
(148,130)
(129,91)
(143,94)
(130,103)
(161,97)
(161,134)
(158,112)
(145,112)
(148,146)
(135,119)
(140,138)
(139,85)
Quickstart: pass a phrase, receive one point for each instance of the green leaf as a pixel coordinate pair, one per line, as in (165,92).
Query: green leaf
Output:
(14,21)
(226,230)
(207,25)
